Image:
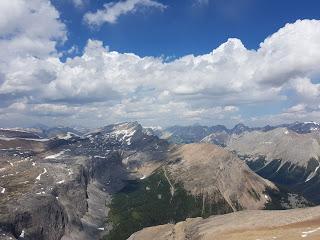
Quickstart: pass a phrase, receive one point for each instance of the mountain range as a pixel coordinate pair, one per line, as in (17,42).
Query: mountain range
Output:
(219,133)
(108,183)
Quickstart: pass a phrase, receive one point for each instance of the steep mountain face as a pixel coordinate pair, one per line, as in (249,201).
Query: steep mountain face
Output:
(218,138)
(188,134)
(141,152)
(32,178)
(283,156)
(240,128)
(58,188)
(221,136)
(289,225)
(215,174)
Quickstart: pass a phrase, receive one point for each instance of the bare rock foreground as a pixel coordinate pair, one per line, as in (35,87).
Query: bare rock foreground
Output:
(243,225)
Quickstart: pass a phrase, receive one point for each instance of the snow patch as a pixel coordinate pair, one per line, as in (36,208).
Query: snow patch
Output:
(70,172)
(39,176)
(311,122)
(3,190)
(22,234)
(7,175)
(40,193)
(55,155)
(124,134)
(68,136)
(313,173)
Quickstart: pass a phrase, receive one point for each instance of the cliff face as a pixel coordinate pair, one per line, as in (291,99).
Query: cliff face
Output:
(38,206)
(284,157)
(59,188)
(42,217)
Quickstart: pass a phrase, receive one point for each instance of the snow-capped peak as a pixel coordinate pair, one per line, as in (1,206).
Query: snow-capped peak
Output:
(125,131)
(311,122)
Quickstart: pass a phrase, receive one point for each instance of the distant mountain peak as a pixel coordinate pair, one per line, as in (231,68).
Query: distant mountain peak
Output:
(240,128)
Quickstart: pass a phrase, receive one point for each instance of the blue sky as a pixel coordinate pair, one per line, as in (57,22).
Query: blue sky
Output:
(86,62)
(186,26)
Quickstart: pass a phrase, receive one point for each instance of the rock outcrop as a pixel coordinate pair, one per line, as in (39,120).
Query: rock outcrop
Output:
(289,225)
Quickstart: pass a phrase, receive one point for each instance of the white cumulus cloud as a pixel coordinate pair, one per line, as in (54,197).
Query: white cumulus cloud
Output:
(113,10)
(109,86)
(29,28)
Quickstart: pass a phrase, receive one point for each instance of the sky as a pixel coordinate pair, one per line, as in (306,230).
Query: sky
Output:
(159,62)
